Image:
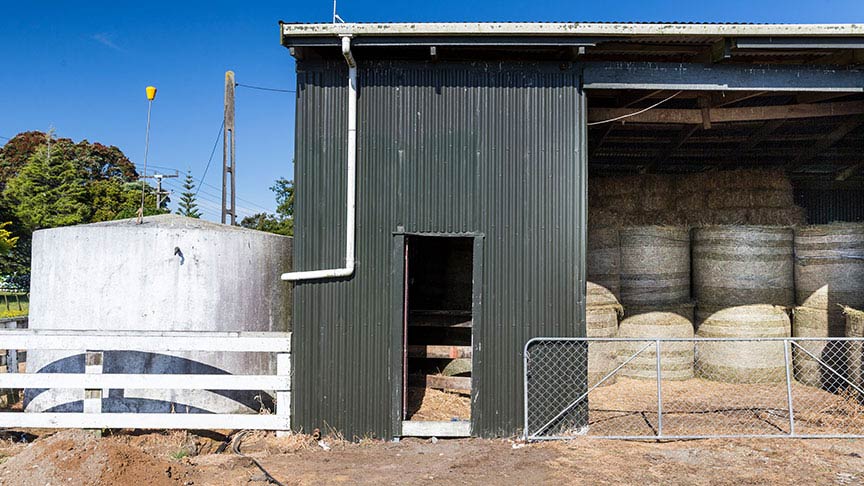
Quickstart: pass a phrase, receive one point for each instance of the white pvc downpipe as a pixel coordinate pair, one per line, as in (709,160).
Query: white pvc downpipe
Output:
(351,198)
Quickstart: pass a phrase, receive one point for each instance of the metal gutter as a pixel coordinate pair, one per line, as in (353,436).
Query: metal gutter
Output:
(600,29)
(351,178)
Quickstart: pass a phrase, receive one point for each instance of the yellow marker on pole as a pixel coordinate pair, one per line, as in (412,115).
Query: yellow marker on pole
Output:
(151,95)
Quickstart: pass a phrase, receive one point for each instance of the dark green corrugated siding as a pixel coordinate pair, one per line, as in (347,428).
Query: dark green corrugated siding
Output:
(450,148)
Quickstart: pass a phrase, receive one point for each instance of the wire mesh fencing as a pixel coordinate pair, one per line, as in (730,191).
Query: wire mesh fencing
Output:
(693,388)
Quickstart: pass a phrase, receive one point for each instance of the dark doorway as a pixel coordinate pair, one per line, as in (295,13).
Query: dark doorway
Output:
(438,324)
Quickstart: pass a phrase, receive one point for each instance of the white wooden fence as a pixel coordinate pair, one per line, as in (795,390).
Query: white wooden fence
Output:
(96,384)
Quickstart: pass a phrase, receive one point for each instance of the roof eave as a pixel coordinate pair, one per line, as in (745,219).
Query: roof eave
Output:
(581,29)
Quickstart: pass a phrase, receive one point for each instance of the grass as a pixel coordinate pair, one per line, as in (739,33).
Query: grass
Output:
(179,454)
(13,305)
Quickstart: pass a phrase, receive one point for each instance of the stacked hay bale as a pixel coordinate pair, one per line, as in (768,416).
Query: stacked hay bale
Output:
(756,197)
(855,354)
(655,291)
(829,274)
(603,263)
(661,321)
(742,281)
(602,309)
(602,322)
(738,361)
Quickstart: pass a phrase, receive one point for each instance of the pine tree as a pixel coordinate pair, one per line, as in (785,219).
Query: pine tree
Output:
(187,206)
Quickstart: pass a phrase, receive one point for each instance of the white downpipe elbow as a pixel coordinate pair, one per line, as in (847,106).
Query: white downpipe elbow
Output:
(351,182)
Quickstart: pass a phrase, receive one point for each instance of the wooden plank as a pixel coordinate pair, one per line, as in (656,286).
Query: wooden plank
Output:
(416,428)
(199,421)
(435,351)
(259,342)
(849,172)
(283,398)
(145,381)
(725,115)
(442,382)
(441,321)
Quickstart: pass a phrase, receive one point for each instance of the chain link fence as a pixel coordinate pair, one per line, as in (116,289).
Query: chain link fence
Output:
(693,388)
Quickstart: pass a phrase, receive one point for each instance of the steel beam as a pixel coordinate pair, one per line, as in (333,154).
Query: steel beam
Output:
(720,77)
(798,43)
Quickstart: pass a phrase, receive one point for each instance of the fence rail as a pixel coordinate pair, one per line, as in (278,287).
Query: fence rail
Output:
(676,388)
(95,384)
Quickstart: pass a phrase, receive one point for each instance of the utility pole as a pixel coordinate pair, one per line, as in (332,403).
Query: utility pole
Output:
(228,162)
(159,191)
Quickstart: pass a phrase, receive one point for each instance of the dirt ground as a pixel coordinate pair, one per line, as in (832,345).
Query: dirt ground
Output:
(179,458)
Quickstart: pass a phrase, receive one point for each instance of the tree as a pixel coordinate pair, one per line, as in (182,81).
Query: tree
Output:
(49,192)
(113,199)
(284,190)
(282,222)
(188,206)
(7,241)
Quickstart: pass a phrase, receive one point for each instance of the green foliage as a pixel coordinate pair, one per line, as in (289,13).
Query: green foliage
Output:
(284,190)
(269,223)
(7,241)
(188,206)
(82,182)
(49,191)
(282,222)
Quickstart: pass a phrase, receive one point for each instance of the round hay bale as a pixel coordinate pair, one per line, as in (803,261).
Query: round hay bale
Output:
(829,265)
(743,265)
(815,368)
(603,263)
(855,355)
(651,322)
(456,367)
(602,322)
(742,361)
(655,265)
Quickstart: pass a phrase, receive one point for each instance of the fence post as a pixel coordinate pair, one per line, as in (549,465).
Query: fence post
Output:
(786,346)
(11,367)
(93,397)
(659,390)
(12,354)
(283,397)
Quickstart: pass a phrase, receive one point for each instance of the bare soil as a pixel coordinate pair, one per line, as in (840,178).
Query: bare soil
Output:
(179,458)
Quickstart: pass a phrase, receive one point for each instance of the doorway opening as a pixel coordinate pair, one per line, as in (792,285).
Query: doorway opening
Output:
(437,337)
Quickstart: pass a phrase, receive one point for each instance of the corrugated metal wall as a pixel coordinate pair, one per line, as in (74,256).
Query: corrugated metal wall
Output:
(829,205)
(484,148)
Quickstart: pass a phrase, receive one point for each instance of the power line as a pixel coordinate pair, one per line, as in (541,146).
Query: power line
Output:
(5,138)
(262,88)
(628,115)
(212,152)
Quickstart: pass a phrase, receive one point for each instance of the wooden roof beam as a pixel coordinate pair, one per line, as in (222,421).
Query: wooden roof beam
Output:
(726,115)
(761,134)
(825,143)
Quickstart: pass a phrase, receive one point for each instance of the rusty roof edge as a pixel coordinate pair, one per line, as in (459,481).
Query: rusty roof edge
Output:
(569,29)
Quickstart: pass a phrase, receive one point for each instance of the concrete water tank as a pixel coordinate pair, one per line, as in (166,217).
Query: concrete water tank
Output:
(169,273)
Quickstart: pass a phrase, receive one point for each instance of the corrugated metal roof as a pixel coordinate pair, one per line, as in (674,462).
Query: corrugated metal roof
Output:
(573,29)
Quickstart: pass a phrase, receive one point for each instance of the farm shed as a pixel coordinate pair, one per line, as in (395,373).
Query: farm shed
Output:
(475,147)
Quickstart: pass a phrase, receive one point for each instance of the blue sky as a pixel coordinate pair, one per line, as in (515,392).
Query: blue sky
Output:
(82,67)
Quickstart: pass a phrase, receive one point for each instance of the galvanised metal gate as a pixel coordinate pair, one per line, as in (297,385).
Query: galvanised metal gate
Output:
(693,388)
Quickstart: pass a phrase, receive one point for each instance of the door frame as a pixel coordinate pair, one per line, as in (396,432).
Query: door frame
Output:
(397,335)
